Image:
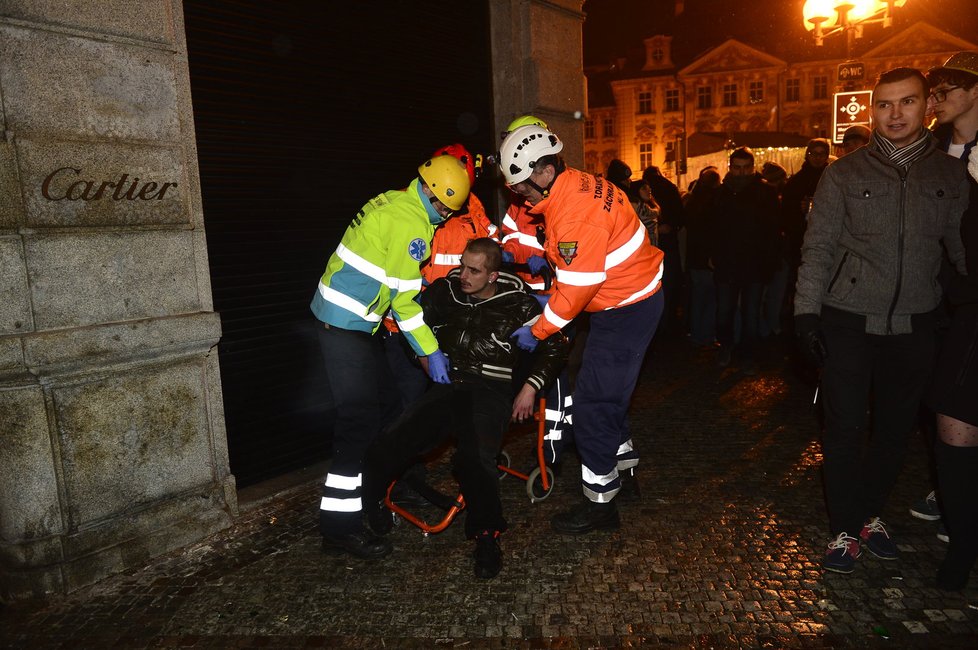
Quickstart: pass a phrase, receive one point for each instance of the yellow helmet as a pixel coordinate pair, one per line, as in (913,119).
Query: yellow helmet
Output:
(447,179)
(525,120)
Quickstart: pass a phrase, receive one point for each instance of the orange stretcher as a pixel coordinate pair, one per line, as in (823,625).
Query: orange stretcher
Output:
(539,484)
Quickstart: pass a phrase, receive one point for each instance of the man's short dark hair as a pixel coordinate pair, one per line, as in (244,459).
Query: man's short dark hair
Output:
(489,248)
(951,77)
(744,153)
(901,74)
(821,143)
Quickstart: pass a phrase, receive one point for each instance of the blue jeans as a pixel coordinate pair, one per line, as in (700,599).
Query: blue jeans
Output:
(747,295)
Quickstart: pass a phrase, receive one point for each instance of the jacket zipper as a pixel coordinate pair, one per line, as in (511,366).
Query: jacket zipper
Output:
(899,274)
(838,271)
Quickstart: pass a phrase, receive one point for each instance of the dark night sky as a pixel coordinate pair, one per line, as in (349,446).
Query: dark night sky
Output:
(616,27)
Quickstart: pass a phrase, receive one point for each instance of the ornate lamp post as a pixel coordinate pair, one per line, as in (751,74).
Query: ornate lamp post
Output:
(829,17)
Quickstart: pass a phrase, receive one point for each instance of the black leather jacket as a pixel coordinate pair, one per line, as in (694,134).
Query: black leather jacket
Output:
(475,334)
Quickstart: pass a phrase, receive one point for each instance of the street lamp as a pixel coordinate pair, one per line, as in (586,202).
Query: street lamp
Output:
(828,17)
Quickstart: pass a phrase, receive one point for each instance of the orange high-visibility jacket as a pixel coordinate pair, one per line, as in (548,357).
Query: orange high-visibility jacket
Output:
(519,230)
(452,236)
(600,249)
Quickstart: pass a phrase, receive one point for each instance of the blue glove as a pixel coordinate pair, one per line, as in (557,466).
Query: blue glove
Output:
(438,367)
(508,257)
(525,339)
(541,298)
(536,264)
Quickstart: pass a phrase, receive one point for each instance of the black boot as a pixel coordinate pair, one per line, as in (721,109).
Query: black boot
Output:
(380,520)
(488,556)
(586,517)
(957,476)
(630,489)
(359,544)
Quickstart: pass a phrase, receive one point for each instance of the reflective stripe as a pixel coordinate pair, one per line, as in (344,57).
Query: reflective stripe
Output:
(446,260)
(375,272)
(649,288)
(569,419)
(498,368)
(526,239)
(628,463)
(509,222)
(340,505)
(344,301)
(496,374)
(536,285)
(595,479)
(568,401)
(412,323)
(553,415)
(622,253)
(625,447)
(554,434)
(491,230)
(600,497)
(344,482)
(549,314)
(579,279)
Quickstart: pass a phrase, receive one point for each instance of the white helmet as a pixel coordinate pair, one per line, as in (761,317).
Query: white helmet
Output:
(523,148)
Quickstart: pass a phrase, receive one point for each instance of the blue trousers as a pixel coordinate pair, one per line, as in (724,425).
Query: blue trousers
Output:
(613,356)
(363,393)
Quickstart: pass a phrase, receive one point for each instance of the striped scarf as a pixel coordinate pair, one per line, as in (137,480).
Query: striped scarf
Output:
(904,156)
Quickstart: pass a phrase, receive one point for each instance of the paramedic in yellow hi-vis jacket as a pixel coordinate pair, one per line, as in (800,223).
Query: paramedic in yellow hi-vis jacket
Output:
(376,268)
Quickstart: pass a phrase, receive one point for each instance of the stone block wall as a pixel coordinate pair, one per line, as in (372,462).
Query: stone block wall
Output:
(112,441)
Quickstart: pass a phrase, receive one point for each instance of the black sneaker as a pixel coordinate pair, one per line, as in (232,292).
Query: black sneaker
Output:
(359,544)
(877,540)
(926,508)
(488,556)
(842,553)
(586,517)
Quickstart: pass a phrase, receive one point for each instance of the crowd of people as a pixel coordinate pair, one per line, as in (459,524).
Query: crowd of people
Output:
(439,321)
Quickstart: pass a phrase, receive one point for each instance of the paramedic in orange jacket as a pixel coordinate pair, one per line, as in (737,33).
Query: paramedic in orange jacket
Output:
(605,266)
(452,236)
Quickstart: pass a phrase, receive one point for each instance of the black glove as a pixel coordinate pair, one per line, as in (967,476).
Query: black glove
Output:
(811,339)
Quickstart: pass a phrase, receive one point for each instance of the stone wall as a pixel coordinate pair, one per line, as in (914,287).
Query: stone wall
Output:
(112,441)
(537,67)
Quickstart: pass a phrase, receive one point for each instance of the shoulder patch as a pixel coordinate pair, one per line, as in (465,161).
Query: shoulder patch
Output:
(418,249)
(567,250)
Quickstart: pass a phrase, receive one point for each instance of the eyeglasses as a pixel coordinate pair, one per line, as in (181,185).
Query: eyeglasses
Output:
(941,95)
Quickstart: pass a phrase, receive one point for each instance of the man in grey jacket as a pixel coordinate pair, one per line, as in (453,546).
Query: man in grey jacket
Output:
(865,300)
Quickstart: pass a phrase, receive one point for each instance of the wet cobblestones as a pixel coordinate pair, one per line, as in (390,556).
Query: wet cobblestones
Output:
(721,550)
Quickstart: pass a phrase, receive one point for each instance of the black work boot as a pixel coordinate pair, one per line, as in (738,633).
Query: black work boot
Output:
(586,517)
(488,556)
(359,544)
(630,489)
(380,520)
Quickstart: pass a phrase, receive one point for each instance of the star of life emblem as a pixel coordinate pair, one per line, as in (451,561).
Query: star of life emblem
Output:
(417,249)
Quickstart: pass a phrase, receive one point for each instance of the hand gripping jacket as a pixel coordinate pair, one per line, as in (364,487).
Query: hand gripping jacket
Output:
(476,335)
(519,230)
(600,248)
(375,267)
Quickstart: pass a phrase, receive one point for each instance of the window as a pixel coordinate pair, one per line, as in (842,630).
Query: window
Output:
(658,55)
(670,150)
(608,127)
(704,97)
(589,129)
(792,90)
(672,100)
(820,88)
(729,94)
(645,155)
(644,102)
(755,92)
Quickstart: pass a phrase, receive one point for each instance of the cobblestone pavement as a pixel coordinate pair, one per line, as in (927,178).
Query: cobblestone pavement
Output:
(721,550)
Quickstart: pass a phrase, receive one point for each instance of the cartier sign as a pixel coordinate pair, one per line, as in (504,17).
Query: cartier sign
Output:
(68,184)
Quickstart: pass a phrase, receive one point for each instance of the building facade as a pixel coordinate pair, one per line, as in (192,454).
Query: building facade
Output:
(732,89)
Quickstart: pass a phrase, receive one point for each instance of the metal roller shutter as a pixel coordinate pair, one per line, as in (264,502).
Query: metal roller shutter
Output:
(303,111)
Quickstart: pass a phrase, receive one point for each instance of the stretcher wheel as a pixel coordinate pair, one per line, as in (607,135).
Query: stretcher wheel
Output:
(503,460)
(534,485)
